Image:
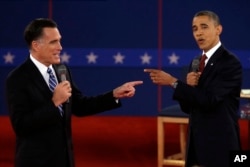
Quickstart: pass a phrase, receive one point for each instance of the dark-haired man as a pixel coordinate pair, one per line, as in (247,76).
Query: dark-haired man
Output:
(210,96)
(41,102)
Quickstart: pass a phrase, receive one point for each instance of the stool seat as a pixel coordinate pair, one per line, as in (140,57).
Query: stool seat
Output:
(171,114)
(174,110)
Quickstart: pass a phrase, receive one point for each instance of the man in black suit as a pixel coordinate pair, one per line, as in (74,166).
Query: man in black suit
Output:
(211,97)
(43,134)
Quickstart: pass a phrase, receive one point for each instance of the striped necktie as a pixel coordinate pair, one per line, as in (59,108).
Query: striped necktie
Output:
(52,85)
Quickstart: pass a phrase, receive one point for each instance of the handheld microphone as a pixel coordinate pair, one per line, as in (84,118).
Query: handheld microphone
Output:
(62,74)
(195,65)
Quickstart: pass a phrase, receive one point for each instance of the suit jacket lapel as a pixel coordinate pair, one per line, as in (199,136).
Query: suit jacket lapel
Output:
(37,78)
(211,63)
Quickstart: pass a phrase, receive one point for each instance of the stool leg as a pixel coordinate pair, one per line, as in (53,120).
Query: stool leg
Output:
(182,141)
(160,135)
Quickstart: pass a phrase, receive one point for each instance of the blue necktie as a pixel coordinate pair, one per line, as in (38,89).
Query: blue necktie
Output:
(52,85)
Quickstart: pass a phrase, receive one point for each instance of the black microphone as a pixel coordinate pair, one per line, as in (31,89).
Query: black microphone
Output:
(62,74)
(195,65)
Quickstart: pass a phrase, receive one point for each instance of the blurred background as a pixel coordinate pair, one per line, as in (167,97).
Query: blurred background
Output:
(109,42)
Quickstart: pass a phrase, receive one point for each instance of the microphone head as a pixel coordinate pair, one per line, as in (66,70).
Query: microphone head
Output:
(195,65)
(62,72)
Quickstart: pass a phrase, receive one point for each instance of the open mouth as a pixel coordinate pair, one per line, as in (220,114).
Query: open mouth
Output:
(200,41)
(57,55)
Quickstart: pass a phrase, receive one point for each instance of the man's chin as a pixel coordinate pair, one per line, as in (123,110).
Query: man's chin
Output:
(202,47)
(57,62)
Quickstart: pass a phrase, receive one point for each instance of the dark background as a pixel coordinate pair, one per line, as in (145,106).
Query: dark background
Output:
(125,24)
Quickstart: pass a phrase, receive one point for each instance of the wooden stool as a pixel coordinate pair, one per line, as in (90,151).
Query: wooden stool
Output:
(171,114)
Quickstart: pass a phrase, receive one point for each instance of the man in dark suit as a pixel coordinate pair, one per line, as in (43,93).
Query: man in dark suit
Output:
(211,97)
(41,118)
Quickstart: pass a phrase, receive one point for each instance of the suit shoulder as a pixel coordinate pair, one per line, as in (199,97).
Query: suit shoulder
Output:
(17,73)
(232,57)
(228,55)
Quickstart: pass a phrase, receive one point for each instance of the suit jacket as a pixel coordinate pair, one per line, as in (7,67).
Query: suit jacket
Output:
(43,136)
(213,109)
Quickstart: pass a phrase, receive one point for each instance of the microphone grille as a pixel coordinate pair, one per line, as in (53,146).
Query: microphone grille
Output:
(195,65)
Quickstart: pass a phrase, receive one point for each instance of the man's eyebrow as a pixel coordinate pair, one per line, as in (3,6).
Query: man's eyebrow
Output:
(203,24)
(193,26)
(55,40)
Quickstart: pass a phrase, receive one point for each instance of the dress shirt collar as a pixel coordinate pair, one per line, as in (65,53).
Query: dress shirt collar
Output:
(211,51)
(42,68)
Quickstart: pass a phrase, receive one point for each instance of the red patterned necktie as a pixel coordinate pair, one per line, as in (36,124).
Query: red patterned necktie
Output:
(202,62)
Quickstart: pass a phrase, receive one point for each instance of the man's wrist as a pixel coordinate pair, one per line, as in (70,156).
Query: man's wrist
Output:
(174,84)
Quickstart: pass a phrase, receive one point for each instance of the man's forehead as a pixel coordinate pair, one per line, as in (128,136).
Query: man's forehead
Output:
(202,20)
(51,33)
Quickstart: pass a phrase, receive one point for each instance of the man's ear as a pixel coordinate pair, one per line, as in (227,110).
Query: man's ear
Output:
(35,45)
(219,29)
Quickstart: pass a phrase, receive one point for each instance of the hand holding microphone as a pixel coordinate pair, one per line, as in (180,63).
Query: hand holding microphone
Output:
(193,77)
(66,85)
(195,65)
(63,89)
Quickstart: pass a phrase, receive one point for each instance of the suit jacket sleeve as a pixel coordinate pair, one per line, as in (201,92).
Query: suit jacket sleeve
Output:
(82,105)
(220,83)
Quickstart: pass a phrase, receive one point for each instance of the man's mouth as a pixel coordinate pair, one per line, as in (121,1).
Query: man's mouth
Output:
(200,41)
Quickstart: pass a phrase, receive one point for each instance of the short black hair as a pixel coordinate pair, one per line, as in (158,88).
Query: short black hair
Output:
(210,14)
(34,29)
